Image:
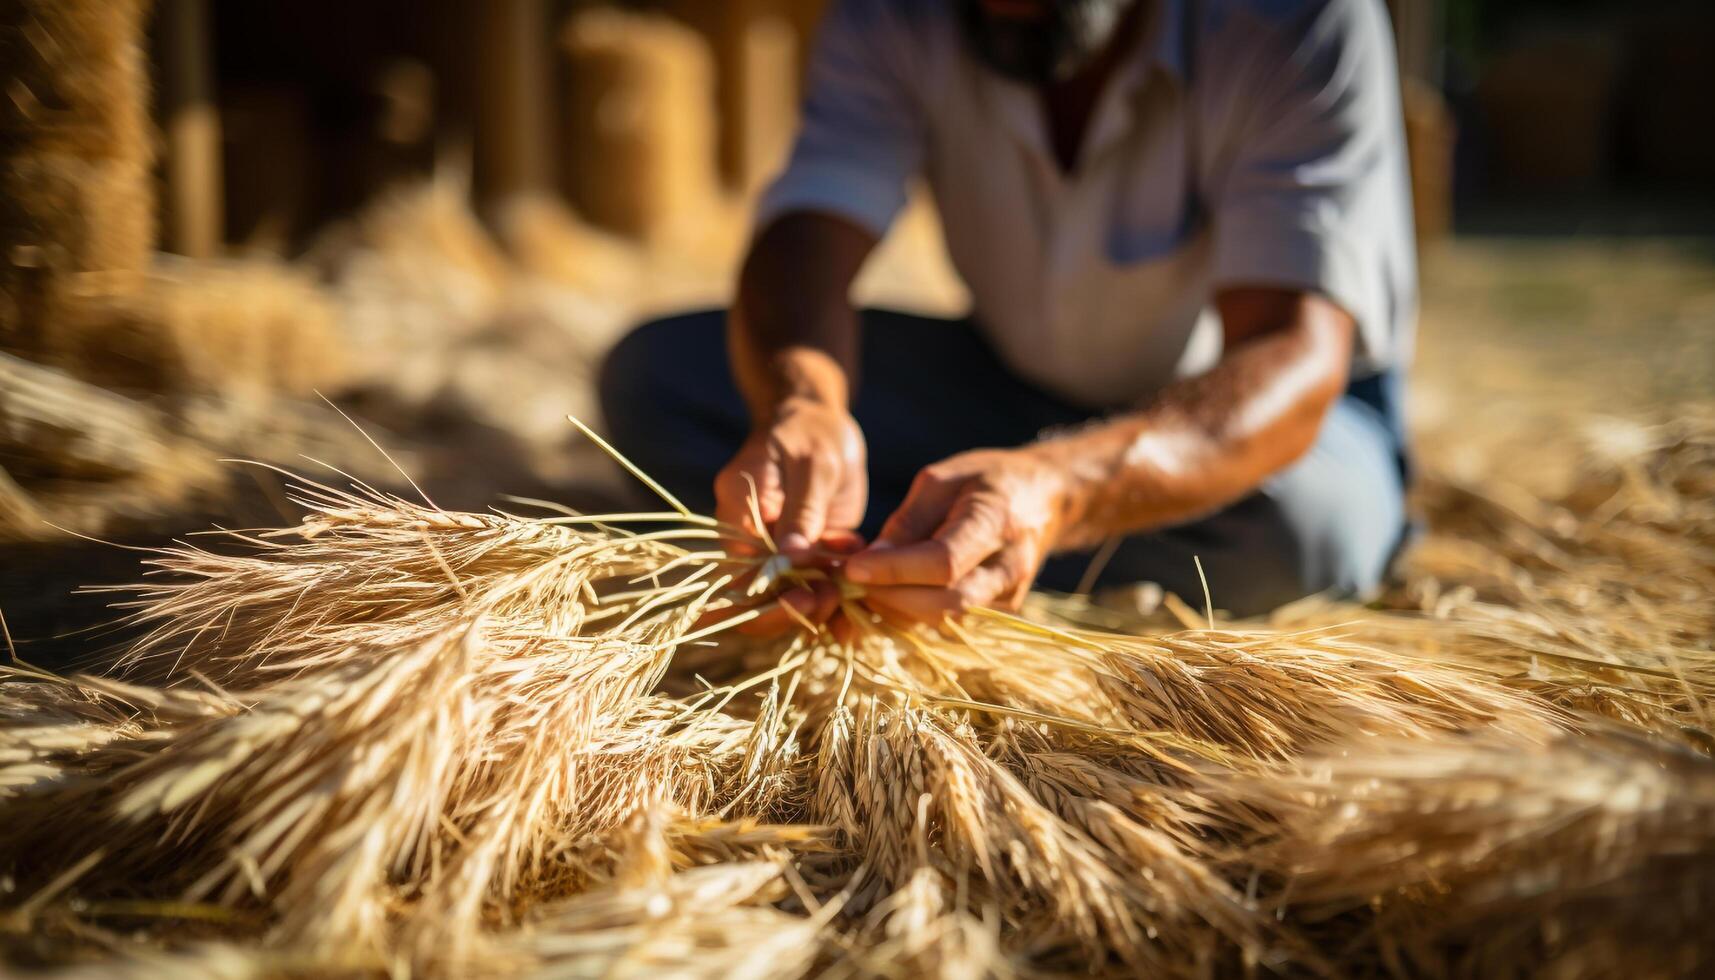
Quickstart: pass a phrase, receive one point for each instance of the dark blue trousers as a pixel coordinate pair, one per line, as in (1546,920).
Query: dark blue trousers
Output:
(929,388)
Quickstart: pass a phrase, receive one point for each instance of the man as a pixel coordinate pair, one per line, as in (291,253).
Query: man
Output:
(1185,228)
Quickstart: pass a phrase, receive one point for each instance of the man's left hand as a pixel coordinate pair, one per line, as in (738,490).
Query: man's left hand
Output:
(973,531)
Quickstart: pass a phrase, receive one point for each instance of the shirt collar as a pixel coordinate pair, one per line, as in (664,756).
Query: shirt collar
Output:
(1162,47)
(1165,48)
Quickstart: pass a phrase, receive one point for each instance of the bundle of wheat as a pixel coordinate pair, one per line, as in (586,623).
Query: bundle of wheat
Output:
(76,456)
(396,737)
(1591,856)
(1595,598)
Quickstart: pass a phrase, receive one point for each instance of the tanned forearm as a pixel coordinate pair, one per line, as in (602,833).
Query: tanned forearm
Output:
(1207,441)
(793,332)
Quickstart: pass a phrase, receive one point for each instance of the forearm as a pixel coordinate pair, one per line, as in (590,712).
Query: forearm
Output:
(793,338)
(793,332)
(1207,441)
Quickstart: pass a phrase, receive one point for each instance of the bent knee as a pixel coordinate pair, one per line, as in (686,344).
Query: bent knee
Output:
(655,359)
(1343,507)
(1342,548)
(646,355)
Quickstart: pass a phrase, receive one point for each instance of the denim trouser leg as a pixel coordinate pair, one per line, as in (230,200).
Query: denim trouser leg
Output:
(933,388)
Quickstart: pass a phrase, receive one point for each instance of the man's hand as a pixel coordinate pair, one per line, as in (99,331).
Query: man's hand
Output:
(793,337)
(973,531)
(806,469)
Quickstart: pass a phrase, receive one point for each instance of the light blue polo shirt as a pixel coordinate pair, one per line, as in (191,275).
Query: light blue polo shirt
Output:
(1242,142)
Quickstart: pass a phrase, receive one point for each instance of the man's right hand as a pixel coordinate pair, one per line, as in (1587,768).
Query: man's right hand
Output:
(793,338)
(807,468)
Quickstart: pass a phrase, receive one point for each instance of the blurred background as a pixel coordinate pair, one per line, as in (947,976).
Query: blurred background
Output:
(220,219)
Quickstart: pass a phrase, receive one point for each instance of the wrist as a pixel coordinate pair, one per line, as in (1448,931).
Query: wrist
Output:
(793,402)
(1066,488)
(802,377)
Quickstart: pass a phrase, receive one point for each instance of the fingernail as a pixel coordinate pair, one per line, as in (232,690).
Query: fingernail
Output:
(857,572)
(881,546)
(794,542)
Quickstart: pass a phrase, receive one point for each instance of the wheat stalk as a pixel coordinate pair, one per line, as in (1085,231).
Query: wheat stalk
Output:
(411,740)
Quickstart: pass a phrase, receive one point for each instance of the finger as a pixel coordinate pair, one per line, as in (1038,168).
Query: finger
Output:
(829,555)
(827,602)
(926,563)
(904,605)
(973,531)
(813,604)
(924,509)
(742,547)
(773,621)
(842,542)
(1024,563)
(740,543)
(799,605)
(843,629)
(729,498)
(810,485)
(918,564)
(987,584)
(994,582)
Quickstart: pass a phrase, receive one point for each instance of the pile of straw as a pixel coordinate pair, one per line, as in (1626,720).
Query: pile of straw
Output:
(75,455)
(76,458)
(1592,592)
(231,328)
(400,739)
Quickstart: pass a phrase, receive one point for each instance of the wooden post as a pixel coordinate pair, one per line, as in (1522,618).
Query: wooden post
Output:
(1429,139)
(196,222)
(512,131)
(1417,26)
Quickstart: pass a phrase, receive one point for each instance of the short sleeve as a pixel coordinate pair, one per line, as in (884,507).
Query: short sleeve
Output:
(862,134)
(1316,194)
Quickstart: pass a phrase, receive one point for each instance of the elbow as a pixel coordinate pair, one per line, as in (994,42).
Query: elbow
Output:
(1323,370)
